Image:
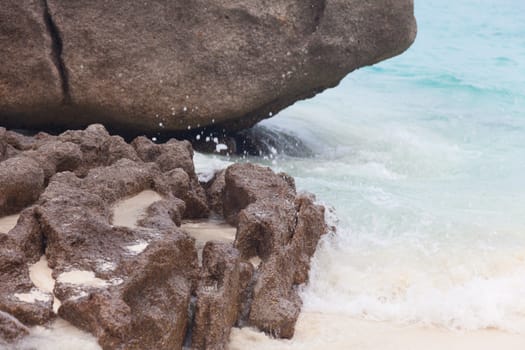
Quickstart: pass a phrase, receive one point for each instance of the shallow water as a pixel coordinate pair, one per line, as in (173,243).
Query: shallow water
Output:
(422,157)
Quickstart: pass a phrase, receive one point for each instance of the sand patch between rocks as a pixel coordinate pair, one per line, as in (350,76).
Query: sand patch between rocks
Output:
(209,230)
(7,223)
(338,332)
(129,211)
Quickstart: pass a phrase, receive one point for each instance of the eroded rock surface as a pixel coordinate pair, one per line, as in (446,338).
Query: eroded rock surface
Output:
(176,65)
(10,329)
(279,227)
(141,286)
(29,81)
(218,296)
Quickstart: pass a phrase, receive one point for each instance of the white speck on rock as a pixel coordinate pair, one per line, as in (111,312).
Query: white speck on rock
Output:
(220,147)
(104,265)
(138,247)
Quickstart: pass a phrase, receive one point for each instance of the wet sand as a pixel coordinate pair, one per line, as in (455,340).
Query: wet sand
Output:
(60,335)
(209,230)
(336,332)
(7,223)
(129,211)
(41,276)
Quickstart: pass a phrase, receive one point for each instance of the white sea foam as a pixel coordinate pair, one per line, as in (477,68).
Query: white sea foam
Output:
(207,166)
(431,284)
(61,335)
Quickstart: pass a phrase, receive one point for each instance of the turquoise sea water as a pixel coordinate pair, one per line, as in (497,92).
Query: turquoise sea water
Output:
(423,159)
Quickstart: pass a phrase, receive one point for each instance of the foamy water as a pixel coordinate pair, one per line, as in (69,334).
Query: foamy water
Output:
(60,335)
(422,158)
(338,332)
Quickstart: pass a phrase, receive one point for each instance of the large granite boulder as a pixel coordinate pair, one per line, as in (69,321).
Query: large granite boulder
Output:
(177,65)
(30,83)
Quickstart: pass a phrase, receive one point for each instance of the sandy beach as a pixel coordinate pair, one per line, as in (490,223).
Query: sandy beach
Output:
(338,332)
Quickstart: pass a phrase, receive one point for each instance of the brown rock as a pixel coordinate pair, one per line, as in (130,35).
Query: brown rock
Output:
(179,182)
(145,277)
(21,182)
(245,183)
(57,156)
(98,147)
(149,309)
(125,178)
(26,236)
(142,296)
(172,157)
(276,304)
(282,229)
(18,249)
(146,149)
(265,227)
(11,329)
(247,279)
(214,192)
(218,297)
(310,226)
(3,144)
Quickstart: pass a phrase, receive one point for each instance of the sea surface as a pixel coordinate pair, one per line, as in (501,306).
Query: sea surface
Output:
(422,158)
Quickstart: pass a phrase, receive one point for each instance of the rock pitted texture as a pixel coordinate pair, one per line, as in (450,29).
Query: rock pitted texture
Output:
(29,81)
(282,229)
(143,286)
(10,329)
(172,65)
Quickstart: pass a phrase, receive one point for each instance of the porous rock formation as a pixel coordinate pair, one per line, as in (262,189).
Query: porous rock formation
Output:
(164,65)
(158,296)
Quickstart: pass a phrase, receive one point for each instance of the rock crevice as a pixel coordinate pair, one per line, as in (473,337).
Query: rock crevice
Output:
(56,52)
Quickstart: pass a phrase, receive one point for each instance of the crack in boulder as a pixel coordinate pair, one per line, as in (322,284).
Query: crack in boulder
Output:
(56,52)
